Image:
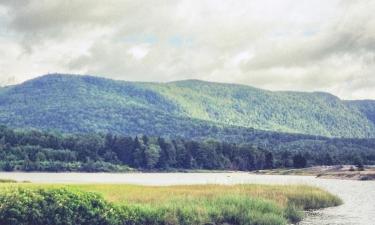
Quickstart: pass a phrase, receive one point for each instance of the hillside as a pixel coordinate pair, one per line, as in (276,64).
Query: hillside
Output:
(294,112)
(367,107)
(190,108)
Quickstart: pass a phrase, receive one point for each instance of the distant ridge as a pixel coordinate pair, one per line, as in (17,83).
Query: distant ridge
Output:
(187,108)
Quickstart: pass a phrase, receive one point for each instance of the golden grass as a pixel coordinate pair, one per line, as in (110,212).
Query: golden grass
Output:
(305,197)
(205,204)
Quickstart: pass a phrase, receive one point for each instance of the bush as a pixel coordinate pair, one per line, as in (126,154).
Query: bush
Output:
(7,181)
(55,207)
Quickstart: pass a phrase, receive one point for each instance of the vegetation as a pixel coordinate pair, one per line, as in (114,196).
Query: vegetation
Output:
(54,207)
(138,205)
(7,181)
(188,109)
(367,107)
(44,151)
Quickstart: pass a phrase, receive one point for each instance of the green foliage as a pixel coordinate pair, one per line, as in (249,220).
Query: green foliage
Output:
(296,112)
(44,151)
(236,210)
(31,204)
(367,107)
(23,206)
(358,162)
(189,109)
(294,214)
(7,181)
(299,161)
(62,206)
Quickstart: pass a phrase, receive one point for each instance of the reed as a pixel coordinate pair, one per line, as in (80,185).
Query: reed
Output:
(203,204)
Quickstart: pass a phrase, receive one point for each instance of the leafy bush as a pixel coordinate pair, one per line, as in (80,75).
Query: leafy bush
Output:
(55,207)
(7,181)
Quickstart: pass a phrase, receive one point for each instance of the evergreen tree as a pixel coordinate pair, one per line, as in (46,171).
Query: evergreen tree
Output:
(299,161)
(269,161)
(152,154)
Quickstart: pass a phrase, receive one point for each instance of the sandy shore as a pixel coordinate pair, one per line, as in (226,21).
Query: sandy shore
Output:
(347,172)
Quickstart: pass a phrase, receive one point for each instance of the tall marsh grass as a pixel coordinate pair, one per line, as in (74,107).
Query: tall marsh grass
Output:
(180,205)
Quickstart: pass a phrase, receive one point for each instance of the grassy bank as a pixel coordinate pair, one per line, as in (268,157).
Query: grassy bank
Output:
(133,205)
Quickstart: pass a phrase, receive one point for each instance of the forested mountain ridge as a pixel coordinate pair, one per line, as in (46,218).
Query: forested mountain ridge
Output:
(295,112)
(190,108)
(367,107)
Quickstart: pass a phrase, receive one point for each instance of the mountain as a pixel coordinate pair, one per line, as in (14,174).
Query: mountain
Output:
(188,108)
(367,107)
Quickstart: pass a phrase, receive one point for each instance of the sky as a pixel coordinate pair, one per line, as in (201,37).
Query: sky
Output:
(301,45)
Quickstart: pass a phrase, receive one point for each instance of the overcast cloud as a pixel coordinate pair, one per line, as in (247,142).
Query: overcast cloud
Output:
(304,45)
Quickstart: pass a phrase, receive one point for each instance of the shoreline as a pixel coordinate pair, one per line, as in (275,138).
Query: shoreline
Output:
(341,172)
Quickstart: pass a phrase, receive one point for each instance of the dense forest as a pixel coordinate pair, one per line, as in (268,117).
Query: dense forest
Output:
(188,109)
(33,150)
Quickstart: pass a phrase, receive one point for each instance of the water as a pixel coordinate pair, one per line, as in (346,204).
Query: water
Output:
(358,196)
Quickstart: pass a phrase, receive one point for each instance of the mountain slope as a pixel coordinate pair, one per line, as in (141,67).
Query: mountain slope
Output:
(184,108)
(296,112)
(367,107)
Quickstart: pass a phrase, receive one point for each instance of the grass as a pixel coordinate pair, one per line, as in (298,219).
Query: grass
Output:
(205,204)
(7,181)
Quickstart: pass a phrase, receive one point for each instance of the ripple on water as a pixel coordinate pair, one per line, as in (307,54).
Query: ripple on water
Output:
(321,217)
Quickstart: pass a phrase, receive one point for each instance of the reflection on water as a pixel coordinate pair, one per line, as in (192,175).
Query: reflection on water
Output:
(358,196)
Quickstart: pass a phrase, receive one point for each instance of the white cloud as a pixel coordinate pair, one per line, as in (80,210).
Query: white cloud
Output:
(139,51)
(296,45)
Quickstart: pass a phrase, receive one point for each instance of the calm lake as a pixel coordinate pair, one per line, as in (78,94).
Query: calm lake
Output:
(358,196)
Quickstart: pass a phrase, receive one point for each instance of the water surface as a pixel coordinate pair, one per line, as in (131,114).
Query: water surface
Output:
(358,196)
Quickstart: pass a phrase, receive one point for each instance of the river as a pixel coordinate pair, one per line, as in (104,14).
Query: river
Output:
(358,196)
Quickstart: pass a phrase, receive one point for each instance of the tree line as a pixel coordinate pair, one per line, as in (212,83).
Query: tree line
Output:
(32,150)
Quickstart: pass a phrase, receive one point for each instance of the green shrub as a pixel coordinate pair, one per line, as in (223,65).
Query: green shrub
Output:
(7,181)
(55,207)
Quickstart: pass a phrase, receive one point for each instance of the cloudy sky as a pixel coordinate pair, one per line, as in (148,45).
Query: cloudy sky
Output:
(320,45)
